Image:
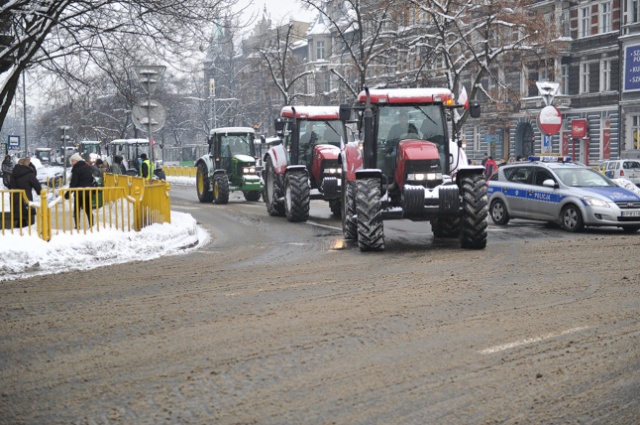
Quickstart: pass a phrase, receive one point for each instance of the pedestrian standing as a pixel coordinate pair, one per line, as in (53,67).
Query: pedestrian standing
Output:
(7,169)
(490,167)
(25,179)
(146,168)
(485,158)
(117,167)
(81,177)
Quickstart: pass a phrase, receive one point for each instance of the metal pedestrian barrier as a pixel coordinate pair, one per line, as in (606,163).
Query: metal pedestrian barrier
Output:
(125,203)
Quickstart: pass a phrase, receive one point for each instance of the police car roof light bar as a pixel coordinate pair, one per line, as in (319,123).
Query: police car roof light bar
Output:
(536,158)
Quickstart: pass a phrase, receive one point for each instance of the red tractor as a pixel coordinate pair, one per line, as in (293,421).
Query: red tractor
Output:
(405,166)
(305,165)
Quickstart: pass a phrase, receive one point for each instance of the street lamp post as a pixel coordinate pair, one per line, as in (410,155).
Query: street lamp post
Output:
(64,138)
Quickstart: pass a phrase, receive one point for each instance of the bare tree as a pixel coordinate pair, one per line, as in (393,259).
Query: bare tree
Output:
(46,32)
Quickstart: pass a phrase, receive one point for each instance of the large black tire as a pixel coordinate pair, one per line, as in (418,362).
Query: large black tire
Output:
(336,207)
(348,204)
(203,184)
(369,215)
(446,227)
(252,195)
(571,219)
(297,196)
(220,188)
(498,211)
(473,223)
(272,191)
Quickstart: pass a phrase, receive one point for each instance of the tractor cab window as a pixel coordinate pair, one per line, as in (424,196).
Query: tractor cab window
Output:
(236,145)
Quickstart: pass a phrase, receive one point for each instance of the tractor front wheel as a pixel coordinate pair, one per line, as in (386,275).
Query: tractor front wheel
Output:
(473,223)
(349,226)
(252,195)
(369,215)
(220,188)
(297,195)
(203,183)
(336,207)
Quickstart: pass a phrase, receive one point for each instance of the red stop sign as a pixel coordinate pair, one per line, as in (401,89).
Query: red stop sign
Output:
(550,120)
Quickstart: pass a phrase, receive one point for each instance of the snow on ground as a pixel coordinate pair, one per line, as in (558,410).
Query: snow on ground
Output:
(25,256)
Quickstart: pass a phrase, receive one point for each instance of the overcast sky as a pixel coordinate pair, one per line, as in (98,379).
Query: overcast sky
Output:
(279,10)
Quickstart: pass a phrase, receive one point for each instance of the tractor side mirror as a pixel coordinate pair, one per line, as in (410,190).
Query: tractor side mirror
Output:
(262,139)
(345,112)
(474,109)
(120,148)
(279,125)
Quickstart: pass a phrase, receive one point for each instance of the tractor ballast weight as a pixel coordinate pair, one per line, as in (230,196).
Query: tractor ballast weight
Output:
(229,166)
(399,171)
(311,141)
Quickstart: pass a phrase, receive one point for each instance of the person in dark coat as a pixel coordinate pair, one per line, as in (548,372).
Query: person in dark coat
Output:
(7,169)
(25,179)
(81,176)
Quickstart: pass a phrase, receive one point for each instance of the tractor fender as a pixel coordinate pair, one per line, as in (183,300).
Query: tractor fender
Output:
(208,161)
(279,158)
(219,171)
(297,168)
(352,160)
(468,171)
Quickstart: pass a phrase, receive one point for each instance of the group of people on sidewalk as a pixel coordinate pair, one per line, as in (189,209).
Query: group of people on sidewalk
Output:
(491,166)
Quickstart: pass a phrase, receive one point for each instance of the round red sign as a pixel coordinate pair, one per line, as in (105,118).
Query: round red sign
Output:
(550,120)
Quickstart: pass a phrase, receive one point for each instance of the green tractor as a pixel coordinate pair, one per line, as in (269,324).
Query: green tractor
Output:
(229,166)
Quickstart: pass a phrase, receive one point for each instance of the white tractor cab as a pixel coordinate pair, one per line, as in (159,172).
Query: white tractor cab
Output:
(262,146)
(130,151)
(61,155)
(44,155)
(305,165)
(406,167)
(91,150)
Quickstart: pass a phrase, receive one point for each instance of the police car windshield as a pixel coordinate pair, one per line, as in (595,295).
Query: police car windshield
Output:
(583,177)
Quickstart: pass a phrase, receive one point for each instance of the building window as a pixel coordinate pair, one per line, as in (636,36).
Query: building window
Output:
(566,23)
(605,75)
(605,17)
(564,80)
(585,69)
(585,22)
(632,12)
(634,143)
(327,82)
(319,50)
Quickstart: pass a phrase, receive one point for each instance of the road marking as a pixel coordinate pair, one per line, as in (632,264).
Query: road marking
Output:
(503,347)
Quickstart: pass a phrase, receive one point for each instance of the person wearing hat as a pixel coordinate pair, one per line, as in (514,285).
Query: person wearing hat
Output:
(81,176)
(146,168)
(25,179)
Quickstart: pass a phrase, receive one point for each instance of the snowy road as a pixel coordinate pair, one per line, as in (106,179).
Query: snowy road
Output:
(281,323)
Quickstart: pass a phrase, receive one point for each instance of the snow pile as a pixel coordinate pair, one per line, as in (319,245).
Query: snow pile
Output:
(628,184)
(24,256)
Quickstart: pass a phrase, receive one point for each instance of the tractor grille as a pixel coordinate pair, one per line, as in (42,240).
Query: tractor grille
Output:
(248,165)
(424,166)
(327,164)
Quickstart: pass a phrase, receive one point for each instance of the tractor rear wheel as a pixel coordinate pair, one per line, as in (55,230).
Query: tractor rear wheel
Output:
(475,211)
(369,215)
(349,226)
(271,191)
(220,188)
(252,195)
(203,183)
(297,195)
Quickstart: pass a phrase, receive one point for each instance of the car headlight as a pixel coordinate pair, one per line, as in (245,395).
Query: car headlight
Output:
(332,170)
(249,170)
(595,202)
(424,176)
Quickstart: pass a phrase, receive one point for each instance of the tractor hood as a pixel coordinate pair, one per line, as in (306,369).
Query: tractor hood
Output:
(327,151)
(412,150)
(244,158)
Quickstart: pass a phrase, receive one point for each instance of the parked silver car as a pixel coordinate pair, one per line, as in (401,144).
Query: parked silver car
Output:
(562,192)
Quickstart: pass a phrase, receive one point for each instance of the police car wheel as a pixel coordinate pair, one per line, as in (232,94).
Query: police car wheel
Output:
(571,219)
(499,213)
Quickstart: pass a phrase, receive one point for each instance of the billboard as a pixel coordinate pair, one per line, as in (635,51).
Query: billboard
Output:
(632,68)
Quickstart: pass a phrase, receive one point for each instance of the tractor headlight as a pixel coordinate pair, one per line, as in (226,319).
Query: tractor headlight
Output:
(424,176)
(332,171)
(248,170)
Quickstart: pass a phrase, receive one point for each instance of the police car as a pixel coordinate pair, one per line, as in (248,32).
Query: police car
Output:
(554,189)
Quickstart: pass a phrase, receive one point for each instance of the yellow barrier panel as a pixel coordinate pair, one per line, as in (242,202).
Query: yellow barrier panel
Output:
(14,214)
(125,203)
(177,171)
